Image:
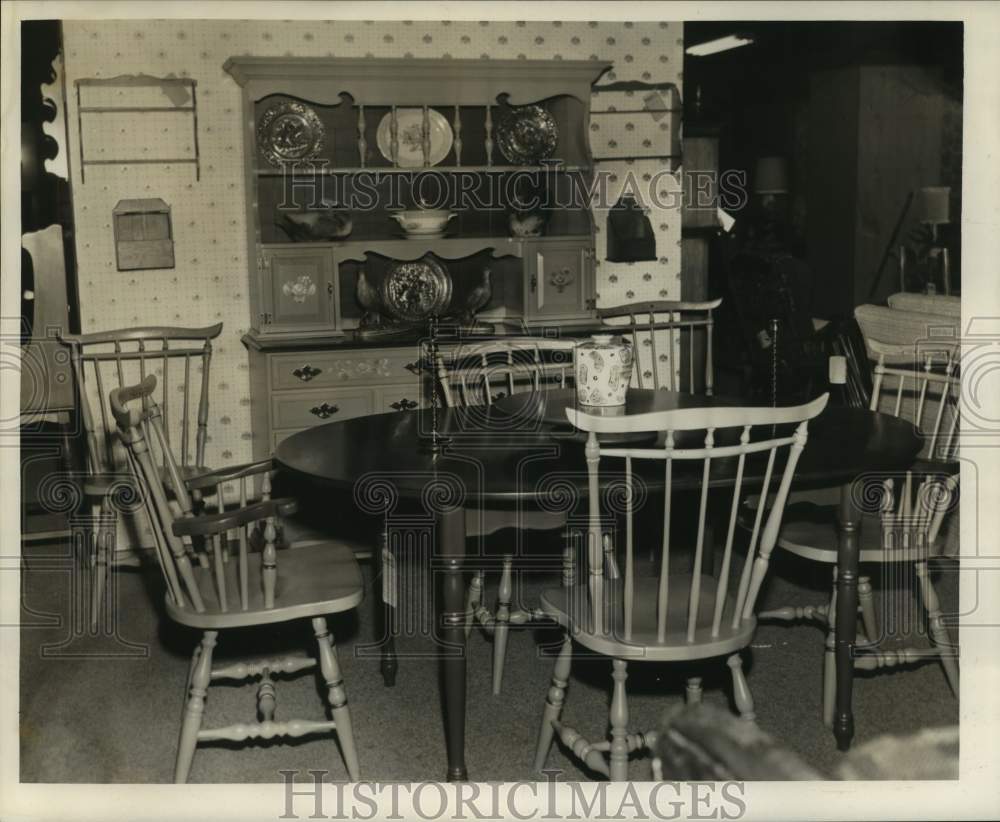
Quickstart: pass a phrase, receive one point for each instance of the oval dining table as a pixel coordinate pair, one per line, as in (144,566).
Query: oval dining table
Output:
(521,452)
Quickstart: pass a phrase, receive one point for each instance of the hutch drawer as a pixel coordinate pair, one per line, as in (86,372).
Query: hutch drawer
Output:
(303,409)
(333,368)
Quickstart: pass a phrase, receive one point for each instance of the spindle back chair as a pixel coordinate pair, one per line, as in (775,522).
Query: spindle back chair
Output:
(103,360)
(646,322)
(928,378)
(917,382)
(478,374)
(310,583)
(180,357)
(660,613)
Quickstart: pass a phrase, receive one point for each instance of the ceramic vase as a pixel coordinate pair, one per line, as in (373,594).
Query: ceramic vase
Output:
(603,371)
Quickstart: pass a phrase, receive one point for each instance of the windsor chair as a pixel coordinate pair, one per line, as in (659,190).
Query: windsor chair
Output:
(475,376)
(308,582)
(900,524)
(656,613)
(123,356)
(662,325)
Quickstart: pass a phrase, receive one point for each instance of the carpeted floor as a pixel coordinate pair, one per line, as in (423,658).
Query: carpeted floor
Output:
(89,714)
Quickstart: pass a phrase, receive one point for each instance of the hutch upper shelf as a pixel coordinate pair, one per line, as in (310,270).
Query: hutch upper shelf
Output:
(413,82)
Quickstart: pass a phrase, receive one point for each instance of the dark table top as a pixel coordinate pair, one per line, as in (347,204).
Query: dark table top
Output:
(523,450)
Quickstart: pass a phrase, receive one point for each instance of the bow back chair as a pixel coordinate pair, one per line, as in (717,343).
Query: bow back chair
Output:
(181,358)
(478,374)
(900,527)
(664,324)
(657,613)
(261,586)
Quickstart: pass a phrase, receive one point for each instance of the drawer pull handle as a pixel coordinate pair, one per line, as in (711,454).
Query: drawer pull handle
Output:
(307,372)
(403,405)
(323,411)
(561,278)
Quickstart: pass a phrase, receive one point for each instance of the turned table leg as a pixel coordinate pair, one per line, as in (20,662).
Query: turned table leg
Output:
(450,622)
(388,614)
(846,628)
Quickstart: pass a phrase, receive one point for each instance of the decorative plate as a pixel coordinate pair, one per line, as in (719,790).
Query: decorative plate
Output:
(527,135)
(413,291)
(410,134)
(289,131)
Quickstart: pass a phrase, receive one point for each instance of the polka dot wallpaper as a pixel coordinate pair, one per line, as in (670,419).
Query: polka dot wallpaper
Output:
(209,282)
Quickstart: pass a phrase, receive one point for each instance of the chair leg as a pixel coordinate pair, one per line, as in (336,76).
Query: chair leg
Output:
(741,691)
(501,627)
(829,679)
(194,710)
(554,702)
(693,694)
(618,758)
(867,603)
(101,559)
(473,599)
(938,631)
(336,696)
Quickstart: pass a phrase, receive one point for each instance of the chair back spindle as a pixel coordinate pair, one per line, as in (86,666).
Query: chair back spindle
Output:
(138,428)
(720,439)
(649,323)
(480,373)
(929,379)
(107,359)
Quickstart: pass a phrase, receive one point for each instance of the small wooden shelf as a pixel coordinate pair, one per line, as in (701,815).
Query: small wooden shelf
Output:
(139,81)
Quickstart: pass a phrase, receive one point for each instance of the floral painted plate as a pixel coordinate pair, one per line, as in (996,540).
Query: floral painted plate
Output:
(410,135)
(290,132)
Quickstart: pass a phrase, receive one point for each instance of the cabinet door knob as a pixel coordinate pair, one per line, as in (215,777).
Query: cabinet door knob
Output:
(323,411)
(403,405)
(307,372)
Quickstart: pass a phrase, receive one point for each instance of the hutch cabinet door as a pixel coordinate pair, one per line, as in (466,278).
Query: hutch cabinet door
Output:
(559,279)
(296,290)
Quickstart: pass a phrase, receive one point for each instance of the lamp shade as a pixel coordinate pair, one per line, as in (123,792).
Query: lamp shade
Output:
(931,205)
(771,176)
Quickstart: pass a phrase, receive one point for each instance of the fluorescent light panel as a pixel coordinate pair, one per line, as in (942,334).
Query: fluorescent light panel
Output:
(730,41)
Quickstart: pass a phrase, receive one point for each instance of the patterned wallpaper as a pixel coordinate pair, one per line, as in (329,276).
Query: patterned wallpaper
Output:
(209,282)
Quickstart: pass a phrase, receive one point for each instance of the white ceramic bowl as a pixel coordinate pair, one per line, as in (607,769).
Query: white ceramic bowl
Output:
(423,221)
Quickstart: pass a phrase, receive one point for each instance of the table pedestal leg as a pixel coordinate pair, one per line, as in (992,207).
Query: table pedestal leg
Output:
(846,627)
(451,619)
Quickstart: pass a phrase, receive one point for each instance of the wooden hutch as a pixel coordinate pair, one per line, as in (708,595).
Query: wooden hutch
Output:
(307,364)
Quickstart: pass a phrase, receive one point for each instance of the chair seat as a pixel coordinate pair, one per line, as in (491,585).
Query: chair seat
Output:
(313,580)
(810,531)
(570,607)
(490,520)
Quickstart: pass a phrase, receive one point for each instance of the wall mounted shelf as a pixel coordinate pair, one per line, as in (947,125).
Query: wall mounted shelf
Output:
(182,87)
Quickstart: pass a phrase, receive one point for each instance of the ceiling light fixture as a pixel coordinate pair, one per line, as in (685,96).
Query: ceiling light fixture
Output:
(730,41)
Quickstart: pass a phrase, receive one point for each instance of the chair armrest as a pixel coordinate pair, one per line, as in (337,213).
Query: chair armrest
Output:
(217,523)
(234,472)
